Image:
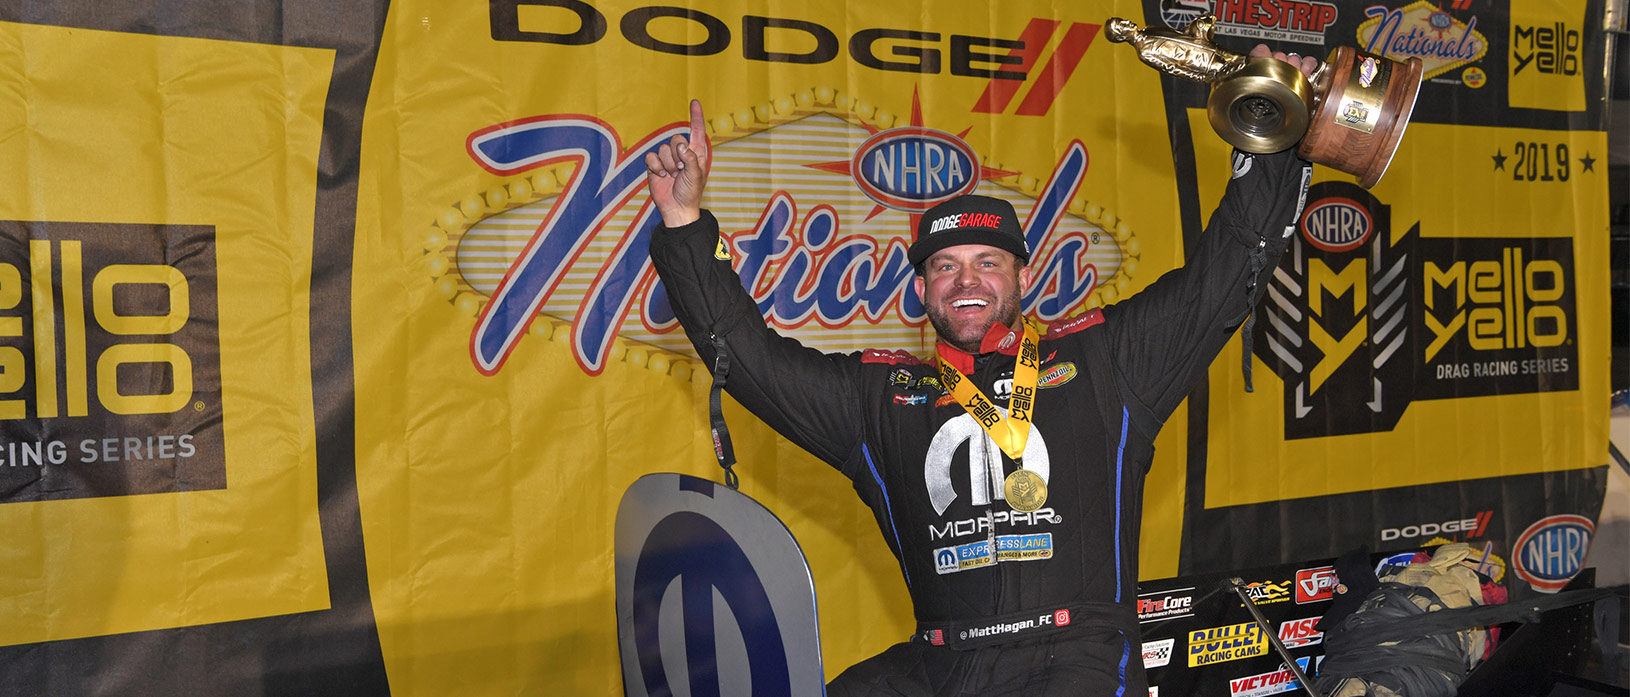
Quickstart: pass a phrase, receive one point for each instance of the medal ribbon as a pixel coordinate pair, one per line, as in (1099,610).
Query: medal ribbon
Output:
(1010,433)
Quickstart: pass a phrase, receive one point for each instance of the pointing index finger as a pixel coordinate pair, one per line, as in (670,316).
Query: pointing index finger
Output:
(698,131)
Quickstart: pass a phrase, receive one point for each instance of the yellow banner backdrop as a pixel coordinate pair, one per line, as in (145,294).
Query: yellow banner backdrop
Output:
(488,500)
(158,227)
(517,368)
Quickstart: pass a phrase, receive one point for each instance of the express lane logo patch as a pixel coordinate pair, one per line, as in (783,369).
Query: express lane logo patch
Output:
(109,360)
(1362,322)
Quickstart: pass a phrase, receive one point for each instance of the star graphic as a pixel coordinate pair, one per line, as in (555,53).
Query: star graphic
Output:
(1499,160)
(1588,162)
(843,166)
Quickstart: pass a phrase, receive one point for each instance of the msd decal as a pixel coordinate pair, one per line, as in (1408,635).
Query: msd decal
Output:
(1361,322)
(1299,633)
(1552,550)
(824,260)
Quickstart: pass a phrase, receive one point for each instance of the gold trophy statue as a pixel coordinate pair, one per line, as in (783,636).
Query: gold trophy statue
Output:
(1350,115)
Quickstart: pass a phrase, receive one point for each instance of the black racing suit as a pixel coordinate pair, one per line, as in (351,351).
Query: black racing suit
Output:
(1052,609)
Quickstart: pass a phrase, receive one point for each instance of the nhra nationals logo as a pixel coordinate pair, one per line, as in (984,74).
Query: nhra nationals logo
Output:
(109,360)
(835,262)
(1297,21)
(1422,30)
(819,242)
(1361,322)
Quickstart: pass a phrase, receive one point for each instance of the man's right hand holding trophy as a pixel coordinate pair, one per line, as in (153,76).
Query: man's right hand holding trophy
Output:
(1349,114)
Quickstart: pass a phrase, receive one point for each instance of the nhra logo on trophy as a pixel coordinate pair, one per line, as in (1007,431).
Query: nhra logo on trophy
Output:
(1350,115)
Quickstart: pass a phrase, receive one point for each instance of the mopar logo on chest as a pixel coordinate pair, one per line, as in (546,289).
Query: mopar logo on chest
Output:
(1336,224)
(913,168)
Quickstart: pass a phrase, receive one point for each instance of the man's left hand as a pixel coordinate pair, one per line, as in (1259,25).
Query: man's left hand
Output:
(1307,64)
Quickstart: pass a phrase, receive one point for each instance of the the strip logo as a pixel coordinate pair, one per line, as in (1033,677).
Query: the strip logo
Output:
(1298,21)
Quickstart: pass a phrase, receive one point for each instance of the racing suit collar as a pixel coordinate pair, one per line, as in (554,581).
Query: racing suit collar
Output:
(998,339)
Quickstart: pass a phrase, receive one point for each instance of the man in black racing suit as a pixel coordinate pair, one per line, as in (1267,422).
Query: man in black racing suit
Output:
(1006,601)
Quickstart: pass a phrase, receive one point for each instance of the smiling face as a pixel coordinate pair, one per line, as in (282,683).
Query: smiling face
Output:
(969,287)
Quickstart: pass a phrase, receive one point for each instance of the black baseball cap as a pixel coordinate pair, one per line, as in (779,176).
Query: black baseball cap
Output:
(968,219)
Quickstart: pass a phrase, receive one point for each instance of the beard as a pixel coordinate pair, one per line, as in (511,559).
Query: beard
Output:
(967,334)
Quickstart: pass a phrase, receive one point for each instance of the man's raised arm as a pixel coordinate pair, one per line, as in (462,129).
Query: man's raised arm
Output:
(1165,337)
(805,395)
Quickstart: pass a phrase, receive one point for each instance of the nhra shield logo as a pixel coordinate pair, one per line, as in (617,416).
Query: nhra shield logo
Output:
(1552,551)
(1361,322)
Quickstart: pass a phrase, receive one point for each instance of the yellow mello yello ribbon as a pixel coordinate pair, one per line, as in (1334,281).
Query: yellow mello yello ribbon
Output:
(1009,433)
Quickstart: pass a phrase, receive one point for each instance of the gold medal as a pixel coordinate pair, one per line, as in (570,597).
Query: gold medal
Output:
(1025,491)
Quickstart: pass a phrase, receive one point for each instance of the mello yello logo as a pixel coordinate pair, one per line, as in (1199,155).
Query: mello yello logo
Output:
(80,367)
(109,360)
(1367,321)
